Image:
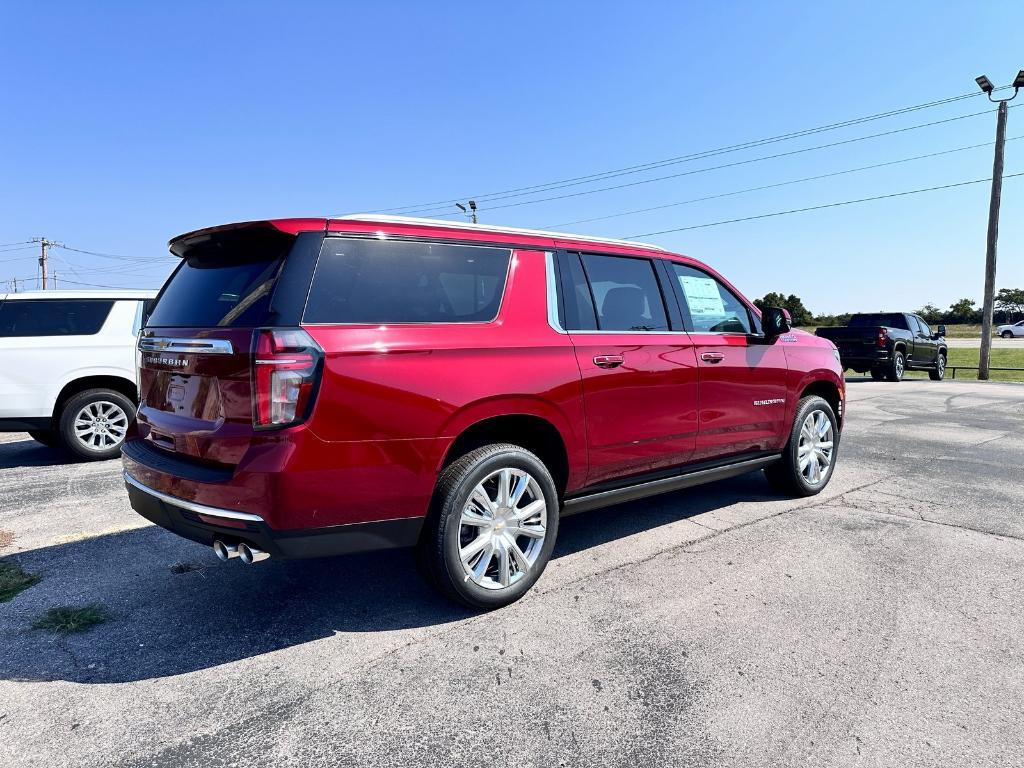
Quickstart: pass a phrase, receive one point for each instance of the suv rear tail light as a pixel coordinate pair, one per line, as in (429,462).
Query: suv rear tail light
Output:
(286,371)
(880,340)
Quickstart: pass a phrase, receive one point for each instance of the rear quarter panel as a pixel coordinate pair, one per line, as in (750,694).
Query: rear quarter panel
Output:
(394,397)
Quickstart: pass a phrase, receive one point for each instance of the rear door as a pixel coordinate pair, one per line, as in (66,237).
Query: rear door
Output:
(742,378)
(638,366)
(196,389)
(925,347)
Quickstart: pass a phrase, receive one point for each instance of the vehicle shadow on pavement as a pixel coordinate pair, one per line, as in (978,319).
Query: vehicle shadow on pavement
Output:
(176,609)
(29,453)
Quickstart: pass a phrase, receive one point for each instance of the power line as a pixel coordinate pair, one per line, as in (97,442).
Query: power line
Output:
(818,207)
(771,186)
(113,255)
(23,242)
(22,248)
(490,196)
(737,163)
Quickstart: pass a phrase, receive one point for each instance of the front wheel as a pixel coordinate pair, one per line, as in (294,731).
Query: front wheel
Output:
(1007,334)
(492,528)
(94,423)
(940,369)
(811,451)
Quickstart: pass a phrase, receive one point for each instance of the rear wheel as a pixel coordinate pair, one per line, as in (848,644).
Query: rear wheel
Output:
(877,374)
(811,451)
(940,369)
(492,528)
(897,367)
(94,423)
(45,436)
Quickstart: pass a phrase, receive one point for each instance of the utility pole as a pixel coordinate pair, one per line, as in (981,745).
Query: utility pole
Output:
(43,260)
(993,221)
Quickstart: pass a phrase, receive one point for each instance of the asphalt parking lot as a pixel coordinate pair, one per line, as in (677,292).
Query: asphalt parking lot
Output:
(879,624)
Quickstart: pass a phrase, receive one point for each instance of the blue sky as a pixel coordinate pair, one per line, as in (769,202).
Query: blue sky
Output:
(123,125)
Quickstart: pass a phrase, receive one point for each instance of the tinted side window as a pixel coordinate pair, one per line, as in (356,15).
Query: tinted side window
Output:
(709,305)
(382,281)
(923,326)
(626,294)
(577,302)
(53,317)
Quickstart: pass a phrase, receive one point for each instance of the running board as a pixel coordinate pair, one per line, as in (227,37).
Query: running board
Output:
(655,487)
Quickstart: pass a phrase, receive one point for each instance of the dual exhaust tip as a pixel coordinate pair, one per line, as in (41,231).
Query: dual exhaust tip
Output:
(243,551)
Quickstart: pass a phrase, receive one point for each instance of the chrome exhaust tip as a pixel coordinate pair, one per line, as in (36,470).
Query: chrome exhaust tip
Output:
(251,555)
(224,552)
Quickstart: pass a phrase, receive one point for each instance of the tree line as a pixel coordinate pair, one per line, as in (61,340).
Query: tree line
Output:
(1009,307)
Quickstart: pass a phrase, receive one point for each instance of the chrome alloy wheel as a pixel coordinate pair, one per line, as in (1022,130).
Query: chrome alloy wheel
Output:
(941,366)
(101,425)
(816,448)
(502,528)
(900,366)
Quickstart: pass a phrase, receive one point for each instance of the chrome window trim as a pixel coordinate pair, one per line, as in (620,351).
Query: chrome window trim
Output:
(199,509)
(552,290)
(199,346)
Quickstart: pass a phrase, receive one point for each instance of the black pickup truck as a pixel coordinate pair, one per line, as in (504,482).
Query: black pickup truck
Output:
(889,343)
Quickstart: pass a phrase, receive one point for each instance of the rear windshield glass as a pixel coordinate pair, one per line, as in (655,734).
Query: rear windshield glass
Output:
(53,317)
(224,281)
(382,281)
(888,319)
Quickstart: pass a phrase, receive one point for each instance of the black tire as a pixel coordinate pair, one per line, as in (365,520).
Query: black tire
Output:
(66,420)
(441,541)
(785,475)
(1007,334)
(45,436)
(940,369)
(897,366)
(877,374)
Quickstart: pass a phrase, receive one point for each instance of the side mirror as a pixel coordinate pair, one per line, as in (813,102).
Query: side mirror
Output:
(941,330)
(775,321)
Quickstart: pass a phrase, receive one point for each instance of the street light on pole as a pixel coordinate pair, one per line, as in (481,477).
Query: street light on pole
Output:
(993,219)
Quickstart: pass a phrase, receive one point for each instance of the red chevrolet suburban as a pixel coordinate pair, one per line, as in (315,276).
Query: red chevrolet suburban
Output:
(313,387)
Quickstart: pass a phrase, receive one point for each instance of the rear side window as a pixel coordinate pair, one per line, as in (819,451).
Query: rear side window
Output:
(888,319)
(625,293)
(386,281)
(224,280)
(53,317)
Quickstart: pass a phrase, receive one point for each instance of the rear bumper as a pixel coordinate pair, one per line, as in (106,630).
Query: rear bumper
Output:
(203,524)
(864,360)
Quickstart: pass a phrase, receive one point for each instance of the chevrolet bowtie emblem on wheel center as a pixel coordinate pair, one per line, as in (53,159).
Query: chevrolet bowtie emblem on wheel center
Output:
(773,401)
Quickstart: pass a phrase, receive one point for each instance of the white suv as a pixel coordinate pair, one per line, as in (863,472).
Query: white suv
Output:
(68,367)
(1010,331)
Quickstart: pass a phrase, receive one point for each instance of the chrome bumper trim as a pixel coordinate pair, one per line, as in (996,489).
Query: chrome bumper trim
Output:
(199,509)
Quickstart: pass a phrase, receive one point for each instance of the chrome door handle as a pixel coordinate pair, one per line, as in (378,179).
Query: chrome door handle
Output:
(608,361)
(712,357)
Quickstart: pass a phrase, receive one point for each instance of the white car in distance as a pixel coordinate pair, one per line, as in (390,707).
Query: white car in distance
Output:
(68,373)
(1011,331)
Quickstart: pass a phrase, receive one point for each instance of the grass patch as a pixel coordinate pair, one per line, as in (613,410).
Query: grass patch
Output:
(14,580)
(1000,358)
(69,619)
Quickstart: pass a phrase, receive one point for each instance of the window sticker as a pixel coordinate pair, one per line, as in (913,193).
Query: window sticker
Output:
(703,296)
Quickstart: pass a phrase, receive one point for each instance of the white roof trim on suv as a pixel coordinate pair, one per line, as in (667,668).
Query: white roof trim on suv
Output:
(385,219)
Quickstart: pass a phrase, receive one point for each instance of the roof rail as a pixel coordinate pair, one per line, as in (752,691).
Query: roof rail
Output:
(386,219)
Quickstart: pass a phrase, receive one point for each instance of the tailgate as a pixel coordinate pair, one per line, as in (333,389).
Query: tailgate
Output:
(196,351)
